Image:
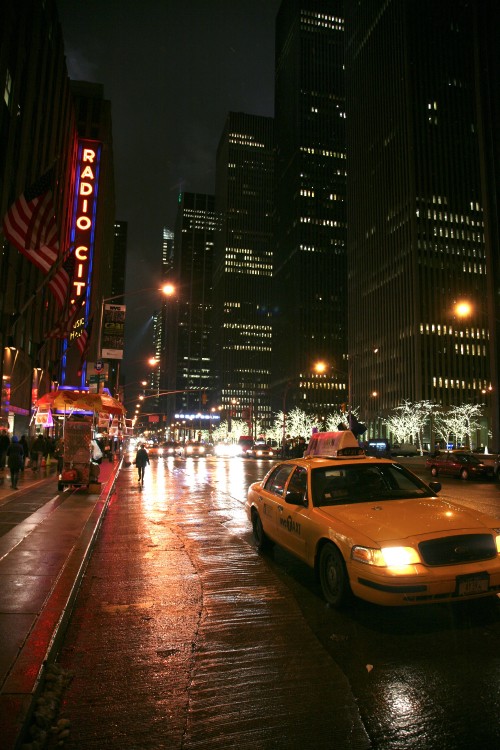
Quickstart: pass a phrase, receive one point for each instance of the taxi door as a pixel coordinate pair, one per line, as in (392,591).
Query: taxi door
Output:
(292,521)
(271,499)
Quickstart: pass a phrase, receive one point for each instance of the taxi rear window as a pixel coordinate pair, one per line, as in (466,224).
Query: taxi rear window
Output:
(277,479)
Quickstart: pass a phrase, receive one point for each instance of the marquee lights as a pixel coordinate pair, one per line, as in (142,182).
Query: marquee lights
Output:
(83,221)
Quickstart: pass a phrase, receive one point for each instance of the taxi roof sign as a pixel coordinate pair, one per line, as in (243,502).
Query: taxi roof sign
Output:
(340,444)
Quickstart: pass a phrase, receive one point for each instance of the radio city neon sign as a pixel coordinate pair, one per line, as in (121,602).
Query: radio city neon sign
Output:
(86,206)
(84,217)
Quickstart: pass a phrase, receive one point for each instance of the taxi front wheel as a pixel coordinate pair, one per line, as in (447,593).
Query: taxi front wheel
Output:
(262,541)
(333,576)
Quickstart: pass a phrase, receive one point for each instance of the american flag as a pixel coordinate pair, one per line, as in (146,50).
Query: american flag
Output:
(60,283)
(65,325)
(30,224)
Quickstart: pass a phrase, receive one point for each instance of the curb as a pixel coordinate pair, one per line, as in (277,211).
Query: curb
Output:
(25,681)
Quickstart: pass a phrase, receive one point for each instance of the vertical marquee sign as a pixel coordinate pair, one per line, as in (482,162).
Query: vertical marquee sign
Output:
(83,225)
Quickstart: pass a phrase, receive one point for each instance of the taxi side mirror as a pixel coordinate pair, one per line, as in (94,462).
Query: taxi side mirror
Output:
(435,486)
(296,498)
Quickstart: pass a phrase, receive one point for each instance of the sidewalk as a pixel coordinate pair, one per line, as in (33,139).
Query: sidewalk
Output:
(42,561)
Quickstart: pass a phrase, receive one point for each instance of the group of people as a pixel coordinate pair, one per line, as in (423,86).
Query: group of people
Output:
(14,452)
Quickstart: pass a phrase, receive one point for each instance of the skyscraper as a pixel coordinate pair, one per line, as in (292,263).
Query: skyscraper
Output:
(243,265)
(190,311)
(310,247)
(422,211)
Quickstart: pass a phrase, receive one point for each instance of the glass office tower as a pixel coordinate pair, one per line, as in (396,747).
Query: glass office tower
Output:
(422,145)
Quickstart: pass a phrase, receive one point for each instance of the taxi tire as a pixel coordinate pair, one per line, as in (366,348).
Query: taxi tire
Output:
(333,576)
(262,541)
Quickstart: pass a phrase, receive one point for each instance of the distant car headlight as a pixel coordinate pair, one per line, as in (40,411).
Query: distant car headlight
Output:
(160,451)
(189,449)
(201,449)
(387,557)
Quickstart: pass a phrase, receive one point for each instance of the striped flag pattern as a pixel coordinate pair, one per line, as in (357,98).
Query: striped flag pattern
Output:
(59,284)
(30,224)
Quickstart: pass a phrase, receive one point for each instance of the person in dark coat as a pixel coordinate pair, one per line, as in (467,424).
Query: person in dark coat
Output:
(15,458)
(26,450)
(4,444)
(141,460)
(37,449)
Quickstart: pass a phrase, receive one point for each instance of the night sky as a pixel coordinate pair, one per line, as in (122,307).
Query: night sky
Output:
(172,70)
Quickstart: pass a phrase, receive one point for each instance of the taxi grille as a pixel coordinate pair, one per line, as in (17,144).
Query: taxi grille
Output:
(458,549)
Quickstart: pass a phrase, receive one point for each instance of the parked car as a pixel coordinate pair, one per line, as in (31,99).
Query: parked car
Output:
(261,449)
(490,459)
(404,449)
(380,447)
(459,464)
(370,527)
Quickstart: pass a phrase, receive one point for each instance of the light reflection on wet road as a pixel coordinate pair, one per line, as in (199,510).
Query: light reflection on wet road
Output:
(424,677)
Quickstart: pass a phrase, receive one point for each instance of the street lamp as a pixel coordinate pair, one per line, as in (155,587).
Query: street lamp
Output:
(465,309)
(167,289)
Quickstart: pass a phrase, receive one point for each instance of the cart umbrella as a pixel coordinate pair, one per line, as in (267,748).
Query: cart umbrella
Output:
(57,400)
(98,402)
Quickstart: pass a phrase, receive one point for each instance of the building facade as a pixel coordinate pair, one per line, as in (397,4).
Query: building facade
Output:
(37,132)
(422,210)
(310,277)
(190,360)
(43,132)
(243,263)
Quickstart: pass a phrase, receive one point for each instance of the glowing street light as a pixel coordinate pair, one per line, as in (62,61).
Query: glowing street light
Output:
(463,309)
(168,289)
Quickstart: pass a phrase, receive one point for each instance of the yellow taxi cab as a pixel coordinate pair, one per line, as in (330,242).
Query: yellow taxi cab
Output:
(369,527)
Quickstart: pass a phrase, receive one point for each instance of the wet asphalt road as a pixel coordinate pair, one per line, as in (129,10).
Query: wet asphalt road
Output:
(421,677)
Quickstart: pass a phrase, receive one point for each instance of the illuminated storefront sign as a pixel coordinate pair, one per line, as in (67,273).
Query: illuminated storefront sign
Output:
(83,224)
(113,331)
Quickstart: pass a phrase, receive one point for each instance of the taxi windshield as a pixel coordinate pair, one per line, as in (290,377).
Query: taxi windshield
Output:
(346,484)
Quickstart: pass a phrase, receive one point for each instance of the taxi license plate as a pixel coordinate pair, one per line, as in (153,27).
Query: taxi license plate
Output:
(473,584)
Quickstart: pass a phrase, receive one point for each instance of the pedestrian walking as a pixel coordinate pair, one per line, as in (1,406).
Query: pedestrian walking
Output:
(26,450)
(141,460)
(15,456)
(36,453)
(4,444)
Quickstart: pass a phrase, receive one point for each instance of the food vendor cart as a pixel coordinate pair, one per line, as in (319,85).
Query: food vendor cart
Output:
(76,469)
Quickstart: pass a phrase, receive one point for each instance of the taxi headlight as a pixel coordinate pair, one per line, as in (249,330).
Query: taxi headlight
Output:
(387,557)
(498,540)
